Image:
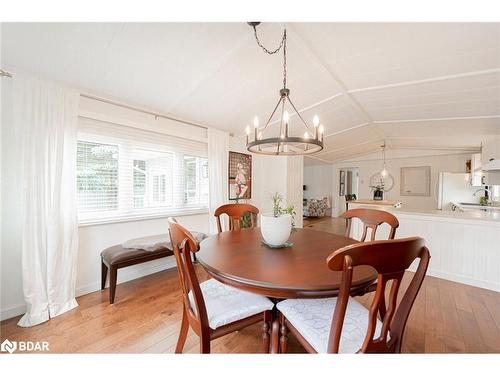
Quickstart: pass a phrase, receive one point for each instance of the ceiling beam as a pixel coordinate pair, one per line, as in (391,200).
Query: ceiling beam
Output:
(318,158)
(356,155)
(427,80)
(437,119)
(348,129)
(224,59)
(314,105)
(439,148)
(314,55)
(351,146)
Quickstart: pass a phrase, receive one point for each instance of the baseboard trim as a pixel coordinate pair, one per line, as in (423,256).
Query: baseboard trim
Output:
(124,275)
(12,312)
(460,279)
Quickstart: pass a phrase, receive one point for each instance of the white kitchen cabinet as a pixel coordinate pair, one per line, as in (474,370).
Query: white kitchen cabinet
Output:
(476,173)
(490,153)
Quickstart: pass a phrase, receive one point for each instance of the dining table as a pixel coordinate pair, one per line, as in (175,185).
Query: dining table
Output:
(241,259)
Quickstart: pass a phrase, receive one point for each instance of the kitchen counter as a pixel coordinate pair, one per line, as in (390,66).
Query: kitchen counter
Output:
(464,246)
(490,216)
(372,201)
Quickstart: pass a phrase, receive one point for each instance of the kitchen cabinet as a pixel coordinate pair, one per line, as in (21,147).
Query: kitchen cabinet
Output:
(476,171)
(490,153)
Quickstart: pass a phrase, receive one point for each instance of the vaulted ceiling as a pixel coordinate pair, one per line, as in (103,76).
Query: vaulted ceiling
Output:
(432,86)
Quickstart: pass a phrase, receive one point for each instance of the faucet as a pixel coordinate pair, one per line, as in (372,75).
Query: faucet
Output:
(483,200)
(486,191)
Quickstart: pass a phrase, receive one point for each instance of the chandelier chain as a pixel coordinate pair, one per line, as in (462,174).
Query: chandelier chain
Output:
(281,45)
(284,59)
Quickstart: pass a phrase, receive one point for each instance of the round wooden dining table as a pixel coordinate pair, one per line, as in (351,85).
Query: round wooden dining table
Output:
(240,259)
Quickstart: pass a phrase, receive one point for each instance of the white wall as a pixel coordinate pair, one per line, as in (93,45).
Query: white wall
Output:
(274,174)
(372,164)
(319,181)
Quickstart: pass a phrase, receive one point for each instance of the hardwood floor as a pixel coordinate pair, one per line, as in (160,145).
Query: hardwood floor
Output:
(447,318)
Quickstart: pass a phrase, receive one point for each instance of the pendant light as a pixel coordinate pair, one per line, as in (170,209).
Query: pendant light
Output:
(384,173)
(285,140)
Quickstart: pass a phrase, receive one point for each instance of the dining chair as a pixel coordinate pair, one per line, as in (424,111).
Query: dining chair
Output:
(342,324)
(210,308)
(371,219)
(235,212)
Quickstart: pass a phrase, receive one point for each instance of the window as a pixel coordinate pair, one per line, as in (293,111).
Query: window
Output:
(196,180)
(153,178)
(97,176)
(123,173)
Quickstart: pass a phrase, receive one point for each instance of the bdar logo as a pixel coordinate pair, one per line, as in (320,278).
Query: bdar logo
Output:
(8,346)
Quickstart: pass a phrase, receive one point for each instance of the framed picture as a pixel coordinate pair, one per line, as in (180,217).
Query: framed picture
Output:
(416,181)
(341,183)
(240,176)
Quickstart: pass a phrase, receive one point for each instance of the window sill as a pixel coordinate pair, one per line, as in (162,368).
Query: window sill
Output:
(163,215)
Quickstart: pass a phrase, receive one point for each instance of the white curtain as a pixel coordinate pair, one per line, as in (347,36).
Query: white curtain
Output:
(46,116)
(218,159)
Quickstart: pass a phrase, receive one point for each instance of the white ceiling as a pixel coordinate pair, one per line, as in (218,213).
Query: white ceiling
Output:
(415,85)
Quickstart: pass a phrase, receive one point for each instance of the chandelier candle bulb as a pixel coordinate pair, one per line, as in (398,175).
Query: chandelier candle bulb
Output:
(256,125)
(247,131)
(316,123)
(321,130)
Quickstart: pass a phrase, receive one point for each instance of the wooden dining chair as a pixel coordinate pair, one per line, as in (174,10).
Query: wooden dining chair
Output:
(342,324)
(210,308)
(235,213)
(371,219)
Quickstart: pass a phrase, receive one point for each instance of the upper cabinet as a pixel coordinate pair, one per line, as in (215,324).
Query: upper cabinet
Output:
(490,154)
(476,172)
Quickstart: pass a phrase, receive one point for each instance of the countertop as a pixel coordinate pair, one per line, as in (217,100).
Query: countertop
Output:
(372,201)
(491,216)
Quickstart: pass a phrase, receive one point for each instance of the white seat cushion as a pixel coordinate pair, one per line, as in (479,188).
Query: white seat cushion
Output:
(226,304)
(313,319)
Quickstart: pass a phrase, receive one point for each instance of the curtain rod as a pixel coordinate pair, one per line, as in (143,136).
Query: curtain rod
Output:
(4,73)
(109,101)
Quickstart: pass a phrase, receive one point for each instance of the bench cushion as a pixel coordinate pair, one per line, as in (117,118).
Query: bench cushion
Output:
(118,254)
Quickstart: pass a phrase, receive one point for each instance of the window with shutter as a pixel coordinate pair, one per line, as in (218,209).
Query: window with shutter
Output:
(125,173)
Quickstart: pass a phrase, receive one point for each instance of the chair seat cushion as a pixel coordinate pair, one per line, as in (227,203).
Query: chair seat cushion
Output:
(226,304)
(313,320)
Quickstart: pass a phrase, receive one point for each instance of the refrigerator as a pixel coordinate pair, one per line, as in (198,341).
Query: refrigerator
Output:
(455,188)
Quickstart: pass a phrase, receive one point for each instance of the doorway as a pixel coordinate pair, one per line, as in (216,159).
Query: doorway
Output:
(348,187)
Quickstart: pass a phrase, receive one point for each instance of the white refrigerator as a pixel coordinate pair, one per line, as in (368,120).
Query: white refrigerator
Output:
(455,188)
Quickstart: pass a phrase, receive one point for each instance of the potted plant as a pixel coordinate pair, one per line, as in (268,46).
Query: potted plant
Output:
(277,226)
(378,191)
(246,219)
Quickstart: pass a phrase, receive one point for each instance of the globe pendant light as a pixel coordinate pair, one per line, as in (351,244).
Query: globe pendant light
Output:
(284,141)
(384,173)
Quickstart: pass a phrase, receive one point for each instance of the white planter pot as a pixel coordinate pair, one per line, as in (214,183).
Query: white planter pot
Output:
(275,230)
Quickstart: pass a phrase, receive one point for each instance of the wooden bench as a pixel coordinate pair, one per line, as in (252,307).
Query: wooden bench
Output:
(116,257)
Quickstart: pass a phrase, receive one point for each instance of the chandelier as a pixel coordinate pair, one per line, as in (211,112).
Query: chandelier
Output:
(282,140)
